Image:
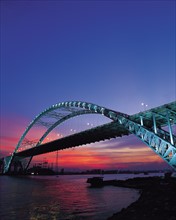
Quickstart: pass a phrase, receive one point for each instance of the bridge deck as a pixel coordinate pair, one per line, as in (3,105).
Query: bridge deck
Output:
(105,132)
(100,133)
(160,115)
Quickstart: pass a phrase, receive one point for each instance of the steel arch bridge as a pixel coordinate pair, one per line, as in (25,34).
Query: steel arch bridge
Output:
(149,126)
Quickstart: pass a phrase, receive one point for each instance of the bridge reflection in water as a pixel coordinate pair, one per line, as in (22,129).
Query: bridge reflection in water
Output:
(154,127)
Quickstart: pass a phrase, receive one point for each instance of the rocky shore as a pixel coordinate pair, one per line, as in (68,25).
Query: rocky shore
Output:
(156,202)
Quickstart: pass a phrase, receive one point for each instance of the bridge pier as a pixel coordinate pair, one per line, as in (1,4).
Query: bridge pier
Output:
(15,168)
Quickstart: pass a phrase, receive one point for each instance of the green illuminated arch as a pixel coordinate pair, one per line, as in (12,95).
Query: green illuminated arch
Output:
(156,141)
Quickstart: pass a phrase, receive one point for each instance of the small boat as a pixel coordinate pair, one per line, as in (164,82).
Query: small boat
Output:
(95,181)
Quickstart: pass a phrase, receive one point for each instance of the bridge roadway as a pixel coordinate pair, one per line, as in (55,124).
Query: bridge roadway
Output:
(106,131)
(100,133)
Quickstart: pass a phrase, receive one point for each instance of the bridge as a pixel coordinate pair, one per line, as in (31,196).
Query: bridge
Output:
(154,127)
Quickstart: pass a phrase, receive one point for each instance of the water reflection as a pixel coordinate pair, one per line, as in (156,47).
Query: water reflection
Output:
(66,197)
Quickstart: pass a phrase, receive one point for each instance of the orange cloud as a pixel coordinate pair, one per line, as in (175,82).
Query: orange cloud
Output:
(87,157)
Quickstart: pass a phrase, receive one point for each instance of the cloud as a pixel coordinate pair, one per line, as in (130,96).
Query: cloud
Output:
(88,158)
(130,142)
(127,152)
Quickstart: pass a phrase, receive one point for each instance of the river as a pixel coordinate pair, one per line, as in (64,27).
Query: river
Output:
(61,198)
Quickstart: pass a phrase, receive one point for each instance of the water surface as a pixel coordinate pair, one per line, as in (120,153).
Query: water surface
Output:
(63,197)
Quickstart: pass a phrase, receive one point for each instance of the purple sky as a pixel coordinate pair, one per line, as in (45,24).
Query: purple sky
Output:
(116,54)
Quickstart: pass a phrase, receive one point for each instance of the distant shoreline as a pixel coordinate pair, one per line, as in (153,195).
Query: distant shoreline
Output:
(37,170)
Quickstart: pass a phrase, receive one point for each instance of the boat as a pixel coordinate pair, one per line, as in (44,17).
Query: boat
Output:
(95,181)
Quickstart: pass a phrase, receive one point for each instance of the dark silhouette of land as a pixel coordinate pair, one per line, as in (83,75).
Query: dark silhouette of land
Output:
(156,202)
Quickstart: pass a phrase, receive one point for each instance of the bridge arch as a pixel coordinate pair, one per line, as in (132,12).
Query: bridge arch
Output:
(155,140)
(89,108)
(73,109)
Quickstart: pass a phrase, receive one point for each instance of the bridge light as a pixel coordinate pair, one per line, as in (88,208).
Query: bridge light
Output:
(144,105)
(102,111)
(89,106)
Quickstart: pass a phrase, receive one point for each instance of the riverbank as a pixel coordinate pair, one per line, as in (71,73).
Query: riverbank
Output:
(157,199)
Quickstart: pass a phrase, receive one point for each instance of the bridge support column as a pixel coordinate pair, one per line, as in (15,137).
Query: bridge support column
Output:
(154,124)
(141,118)
(28,163)
(170,128)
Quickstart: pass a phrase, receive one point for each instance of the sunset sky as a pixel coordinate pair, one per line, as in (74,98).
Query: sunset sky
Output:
(116,54)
